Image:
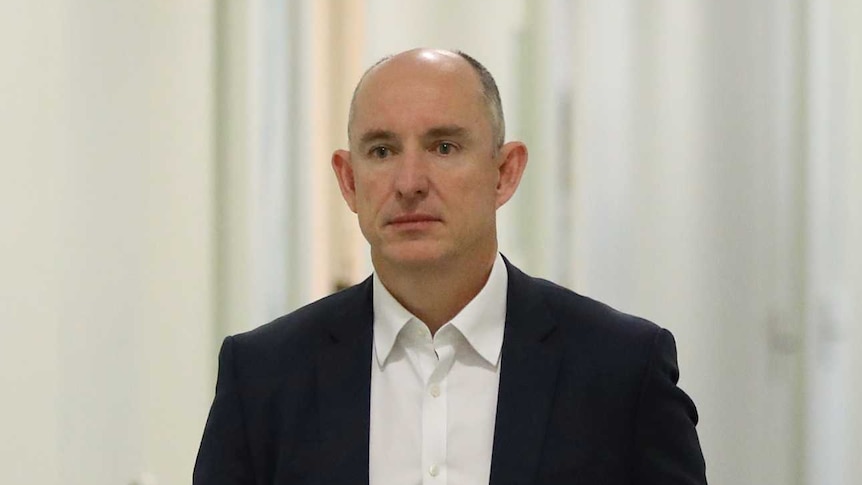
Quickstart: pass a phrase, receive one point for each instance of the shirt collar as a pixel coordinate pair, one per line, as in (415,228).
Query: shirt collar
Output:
(481,322)
(389,318)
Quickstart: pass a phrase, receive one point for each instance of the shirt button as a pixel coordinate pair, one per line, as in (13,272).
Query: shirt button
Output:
(435,390)
(434,470)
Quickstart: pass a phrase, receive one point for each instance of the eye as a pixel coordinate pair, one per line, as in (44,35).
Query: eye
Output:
(380,152)
(445,148)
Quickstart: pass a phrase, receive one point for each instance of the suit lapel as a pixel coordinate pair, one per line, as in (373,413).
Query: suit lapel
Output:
(530,361)
(344,390)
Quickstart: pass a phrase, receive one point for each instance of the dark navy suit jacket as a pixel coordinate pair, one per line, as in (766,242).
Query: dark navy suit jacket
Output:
(587,395)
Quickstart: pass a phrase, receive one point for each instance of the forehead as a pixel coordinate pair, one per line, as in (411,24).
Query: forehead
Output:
(419,93)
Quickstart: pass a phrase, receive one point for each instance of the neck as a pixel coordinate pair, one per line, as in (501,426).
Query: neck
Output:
(436,292)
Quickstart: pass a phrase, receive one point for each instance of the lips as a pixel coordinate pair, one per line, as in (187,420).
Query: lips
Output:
(413,219)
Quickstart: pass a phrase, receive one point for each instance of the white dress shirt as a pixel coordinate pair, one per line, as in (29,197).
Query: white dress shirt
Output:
(434,400)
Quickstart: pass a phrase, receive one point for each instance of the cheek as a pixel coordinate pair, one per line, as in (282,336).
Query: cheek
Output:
(478,191)
(370,195)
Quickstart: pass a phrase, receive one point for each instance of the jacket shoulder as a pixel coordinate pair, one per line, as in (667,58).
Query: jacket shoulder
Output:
(309,326)
(589,317)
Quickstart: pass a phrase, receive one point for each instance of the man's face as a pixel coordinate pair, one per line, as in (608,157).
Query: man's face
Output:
(422,173)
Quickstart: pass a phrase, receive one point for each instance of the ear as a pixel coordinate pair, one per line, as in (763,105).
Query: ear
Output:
(344,173)
(512,162)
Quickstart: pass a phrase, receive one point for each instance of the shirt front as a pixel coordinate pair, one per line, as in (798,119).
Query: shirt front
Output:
(434,399)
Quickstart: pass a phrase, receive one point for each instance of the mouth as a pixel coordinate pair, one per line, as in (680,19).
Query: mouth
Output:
(413,221)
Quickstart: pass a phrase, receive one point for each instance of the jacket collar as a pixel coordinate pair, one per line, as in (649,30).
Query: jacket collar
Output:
(531,359)
(344,388)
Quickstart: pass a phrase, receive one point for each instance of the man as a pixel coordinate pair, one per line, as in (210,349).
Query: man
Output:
(448,365)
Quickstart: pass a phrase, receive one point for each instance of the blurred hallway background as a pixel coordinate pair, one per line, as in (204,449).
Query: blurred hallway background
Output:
(166,182)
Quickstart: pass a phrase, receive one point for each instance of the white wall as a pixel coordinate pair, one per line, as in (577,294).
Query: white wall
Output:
(832,222)
(33,127)
(262,191)
(851,16)
(107,245)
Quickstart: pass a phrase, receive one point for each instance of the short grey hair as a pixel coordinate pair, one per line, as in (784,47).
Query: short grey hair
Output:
(490,94)
(492,99)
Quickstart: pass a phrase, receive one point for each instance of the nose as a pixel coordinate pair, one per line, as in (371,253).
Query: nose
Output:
(411,178)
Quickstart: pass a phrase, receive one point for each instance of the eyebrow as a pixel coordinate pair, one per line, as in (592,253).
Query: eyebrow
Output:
(376,135)
(447,131)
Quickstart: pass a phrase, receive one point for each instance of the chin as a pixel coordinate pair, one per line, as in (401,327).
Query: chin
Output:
(413,254)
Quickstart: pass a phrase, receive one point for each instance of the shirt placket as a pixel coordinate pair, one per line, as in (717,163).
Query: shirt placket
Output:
(436,362)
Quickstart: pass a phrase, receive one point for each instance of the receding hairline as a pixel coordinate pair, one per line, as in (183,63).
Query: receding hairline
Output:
(490,95)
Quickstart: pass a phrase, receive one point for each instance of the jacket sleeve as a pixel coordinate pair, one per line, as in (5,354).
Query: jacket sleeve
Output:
(667,449)
(223,457)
